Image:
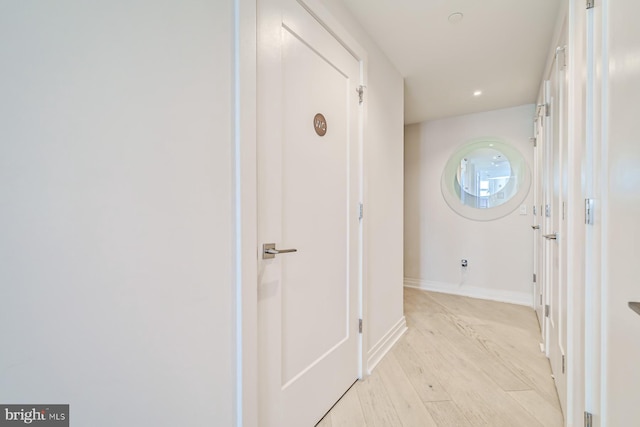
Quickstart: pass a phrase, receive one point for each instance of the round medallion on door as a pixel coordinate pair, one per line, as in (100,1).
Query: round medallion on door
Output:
(320,124)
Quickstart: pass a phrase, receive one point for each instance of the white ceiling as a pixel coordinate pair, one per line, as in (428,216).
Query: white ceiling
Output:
(500,47)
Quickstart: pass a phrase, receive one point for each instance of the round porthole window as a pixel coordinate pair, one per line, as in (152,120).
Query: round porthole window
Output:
(485,180)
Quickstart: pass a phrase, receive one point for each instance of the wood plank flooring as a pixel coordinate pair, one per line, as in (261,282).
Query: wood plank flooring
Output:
(463,362)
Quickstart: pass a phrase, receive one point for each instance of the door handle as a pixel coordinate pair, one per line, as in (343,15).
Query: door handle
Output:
(535,227)
(553,236)
(269,251)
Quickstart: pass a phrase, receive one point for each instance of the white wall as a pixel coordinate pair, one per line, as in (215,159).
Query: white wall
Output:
(116,210)
(436,238)
(383,158)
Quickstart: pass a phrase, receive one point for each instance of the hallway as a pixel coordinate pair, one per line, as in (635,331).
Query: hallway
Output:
(232,209)
(463,362)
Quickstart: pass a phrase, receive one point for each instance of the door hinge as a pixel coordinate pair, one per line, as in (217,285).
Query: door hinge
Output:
(563,209)
(588,419)
(534,140)
(361,211)
(547,211)
(534,210)
(563,50)
(543,108)
(534,277)
(360,91)
(540,299)
(546,310)
(563,364)
(588,211)
(591,4)
(360,325)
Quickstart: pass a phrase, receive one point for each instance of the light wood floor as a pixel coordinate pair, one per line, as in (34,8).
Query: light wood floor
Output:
(463,362)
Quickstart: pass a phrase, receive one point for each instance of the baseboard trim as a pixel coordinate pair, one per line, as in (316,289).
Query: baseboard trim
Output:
(520,298)
(386,343)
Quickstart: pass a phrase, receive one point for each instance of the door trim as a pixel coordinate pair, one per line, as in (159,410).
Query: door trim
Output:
(576,232)
(245,341)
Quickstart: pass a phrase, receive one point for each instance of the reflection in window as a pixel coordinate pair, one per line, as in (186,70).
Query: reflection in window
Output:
(485,179)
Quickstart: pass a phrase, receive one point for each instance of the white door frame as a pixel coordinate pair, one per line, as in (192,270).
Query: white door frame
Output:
(544,222)
(540,285)
(559,46)
(595,62)
(245,341)
(576,233)
(538,305)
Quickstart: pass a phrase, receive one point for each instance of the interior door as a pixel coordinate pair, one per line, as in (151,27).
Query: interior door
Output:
(592,193)
(309,183)
(620,77)
(538,214)
(555,230)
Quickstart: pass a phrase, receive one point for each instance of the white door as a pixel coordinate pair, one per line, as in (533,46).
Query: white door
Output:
(538,215)
(592,193)
(309,192)
(619,72)
(555,225)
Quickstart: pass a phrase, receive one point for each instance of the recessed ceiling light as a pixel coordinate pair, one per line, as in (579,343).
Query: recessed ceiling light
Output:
(455,17)
(477,93)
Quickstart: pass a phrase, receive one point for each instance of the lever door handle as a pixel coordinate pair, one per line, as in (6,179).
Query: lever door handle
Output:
(553,236)
(269,251)
(279,251)
(535,227)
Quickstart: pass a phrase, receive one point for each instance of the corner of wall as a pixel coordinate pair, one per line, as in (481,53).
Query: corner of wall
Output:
(385,344)
(511,297)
